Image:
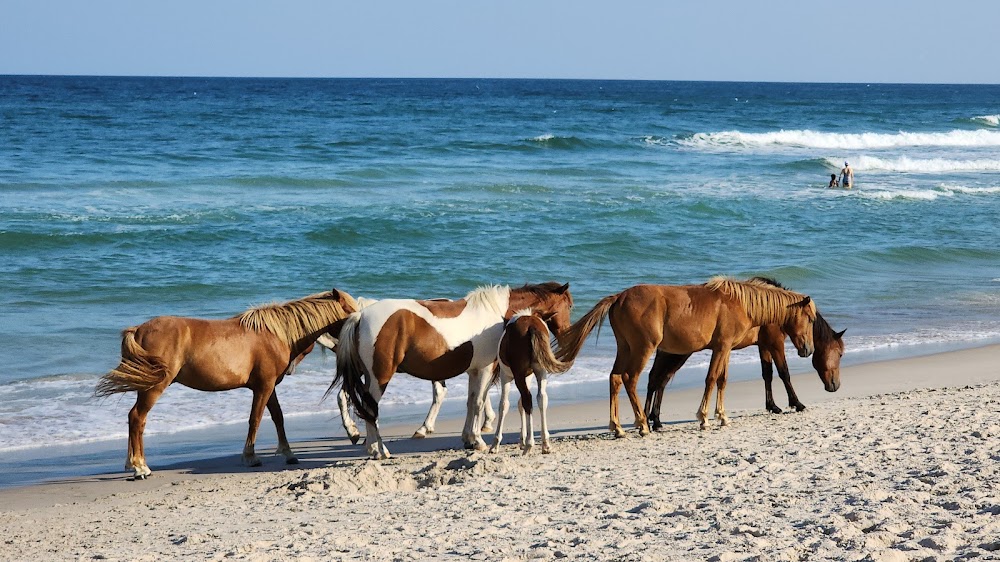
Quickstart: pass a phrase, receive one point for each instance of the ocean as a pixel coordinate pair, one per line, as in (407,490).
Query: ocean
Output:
(126,198)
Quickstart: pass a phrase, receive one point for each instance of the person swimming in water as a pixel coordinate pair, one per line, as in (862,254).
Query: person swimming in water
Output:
(847,176)
(833,181)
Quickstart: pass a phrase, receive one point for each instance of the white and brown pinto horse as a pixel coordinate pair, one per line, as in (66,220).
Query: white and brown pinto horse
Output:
(435,340)
(524,350)
(254,350)
(438,392)
(684,319)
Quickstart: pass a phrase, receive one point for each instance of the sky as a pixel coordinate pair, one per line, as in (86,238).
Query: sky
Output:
(920,41)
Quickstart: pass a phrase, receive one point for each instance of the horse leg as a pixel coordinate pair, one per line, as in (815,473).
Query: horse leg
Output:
(616,387)
(437,398)
(720,403)
(345,416)
(479,380)
(767,371)
(261,396)
(786,378)
(524,423)
(716,367)
(505,379)
(278,418)
(665,366)
(527,422)
(136,457)
(631,382)
(543,405)
(376,447)
(489,416)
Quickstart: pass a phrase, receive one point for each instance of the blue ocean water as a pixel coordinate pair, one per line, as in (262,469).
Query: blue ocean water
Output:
(126,198)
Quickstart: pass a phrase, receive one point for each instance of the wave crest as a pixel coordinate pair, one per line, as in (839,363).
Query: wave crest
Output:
(842,141)
(991,120)
(918,165)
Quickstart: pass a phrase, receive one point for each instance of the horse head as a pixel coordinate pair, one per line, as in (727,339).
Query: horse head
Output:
(554,309)
(826,359)
(798,325)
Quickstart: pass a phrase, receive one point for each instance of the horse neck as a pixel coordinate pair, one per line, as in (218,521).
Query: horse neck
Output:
(823,333)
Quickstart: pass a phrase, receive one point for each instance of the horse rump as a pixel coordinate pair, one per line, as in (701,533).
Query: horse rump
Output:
(138,369)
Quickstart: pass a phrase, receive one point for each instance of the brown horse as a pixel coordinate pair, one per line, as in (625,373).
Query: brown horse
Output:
(770,342)
(435,340)
(525,349)
(253,350)
(684,319)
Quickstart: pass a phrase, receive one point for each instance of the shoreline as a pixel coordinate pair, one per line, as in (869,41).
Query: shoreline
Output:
(572,419)
(898,465)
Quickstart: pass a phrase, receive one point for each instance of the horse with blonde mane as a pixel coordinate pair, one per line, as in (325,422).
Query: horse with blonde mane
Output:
(524,350)
(683,319)
(254,350)
(770,342)
(435,340)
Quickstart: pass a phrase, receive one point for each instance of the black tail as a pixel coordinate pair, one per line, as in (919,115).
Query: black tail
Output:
(351,372)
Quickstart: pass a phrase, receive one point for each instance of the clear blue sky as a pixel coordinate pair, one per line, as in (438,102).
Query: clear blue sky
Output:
(781,40)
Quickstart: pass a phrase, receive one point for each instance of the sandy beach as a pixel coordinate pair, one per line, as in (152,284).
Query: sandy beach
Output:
(901,464)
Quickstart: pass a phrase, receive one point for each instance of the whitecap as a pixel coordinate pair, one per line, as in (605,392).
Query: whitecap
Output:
(838,141)
(991,120)
(906,164)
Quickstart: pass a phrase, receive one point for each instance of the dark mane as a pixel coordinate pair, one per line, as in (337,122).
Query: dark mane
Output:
(543,290)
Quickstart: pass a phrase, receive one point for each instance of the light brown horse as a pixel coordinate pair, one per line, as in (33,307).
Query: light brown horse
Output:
(435,340)
(525,349)
(770,342)
(253,350)
(682,320)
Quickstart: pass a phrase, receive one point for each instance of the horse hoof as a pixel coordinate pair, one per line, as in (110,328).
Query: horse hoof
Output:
(619,433)
(774,409)
(487,429)
(643,431)
(419,435)
(354,438)
(546,450)
(800,407)
(292,460)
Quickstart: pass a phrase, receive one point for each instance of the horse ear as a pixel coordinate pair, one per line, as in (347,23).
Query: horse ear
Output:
(840,334)
(563,289)
(805,301)
(335,293)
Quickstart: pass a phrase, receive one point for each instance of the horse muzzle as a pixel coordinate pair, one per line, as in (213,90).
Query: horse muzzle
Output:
(832,384)
(805,351)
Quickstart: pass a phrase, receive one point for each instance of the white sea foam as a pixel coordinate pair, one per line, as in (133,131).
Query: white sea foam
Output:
(544,138)
(838,141)
(914,194)
(919,165)
(992,120)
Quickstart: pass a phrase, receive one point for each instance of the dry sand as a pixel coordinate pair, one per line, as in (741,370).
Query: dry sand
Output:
(903,463)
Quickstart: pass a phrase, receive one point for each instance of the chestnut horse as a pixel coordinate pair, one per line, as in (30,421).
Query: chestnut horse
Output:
(683,319)
(770,342)
(525,350)
(435,340)
(254,350)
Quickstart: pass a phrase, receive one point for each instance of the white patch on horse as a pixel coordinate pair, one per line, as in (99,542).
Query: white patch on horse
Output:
(481,322)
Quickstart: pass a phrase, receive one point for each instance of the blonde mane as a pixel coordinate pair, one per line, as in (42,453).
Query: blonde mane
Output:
(294,320)
(493,298)
(764,303)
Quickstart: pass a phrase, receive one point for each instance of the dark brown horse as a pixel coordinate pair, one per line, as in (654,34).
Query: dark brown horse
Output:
(254,350)
(525,350)
(435,340)
(682,320)
(770,342)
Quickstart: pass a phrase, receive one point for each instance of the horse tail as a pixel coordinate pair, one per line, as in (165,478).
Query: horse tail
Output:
(138,370)
(350,372)
(570,342)
(542,357)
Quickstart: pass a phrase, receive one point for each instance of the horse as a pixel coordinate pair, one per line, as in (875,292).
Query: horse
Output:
(435,340)
(683,319)
(524,350)
(770,342)
(438,392)
(254,350)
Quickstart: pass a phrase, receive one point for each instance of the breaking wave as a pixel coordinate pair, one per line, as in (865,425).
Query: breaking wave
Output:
(919,165)
(837,141)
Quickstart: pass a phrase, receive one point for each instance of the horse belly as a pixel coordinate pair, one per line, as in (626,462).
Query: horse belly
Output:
(436,366)
(223,364)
